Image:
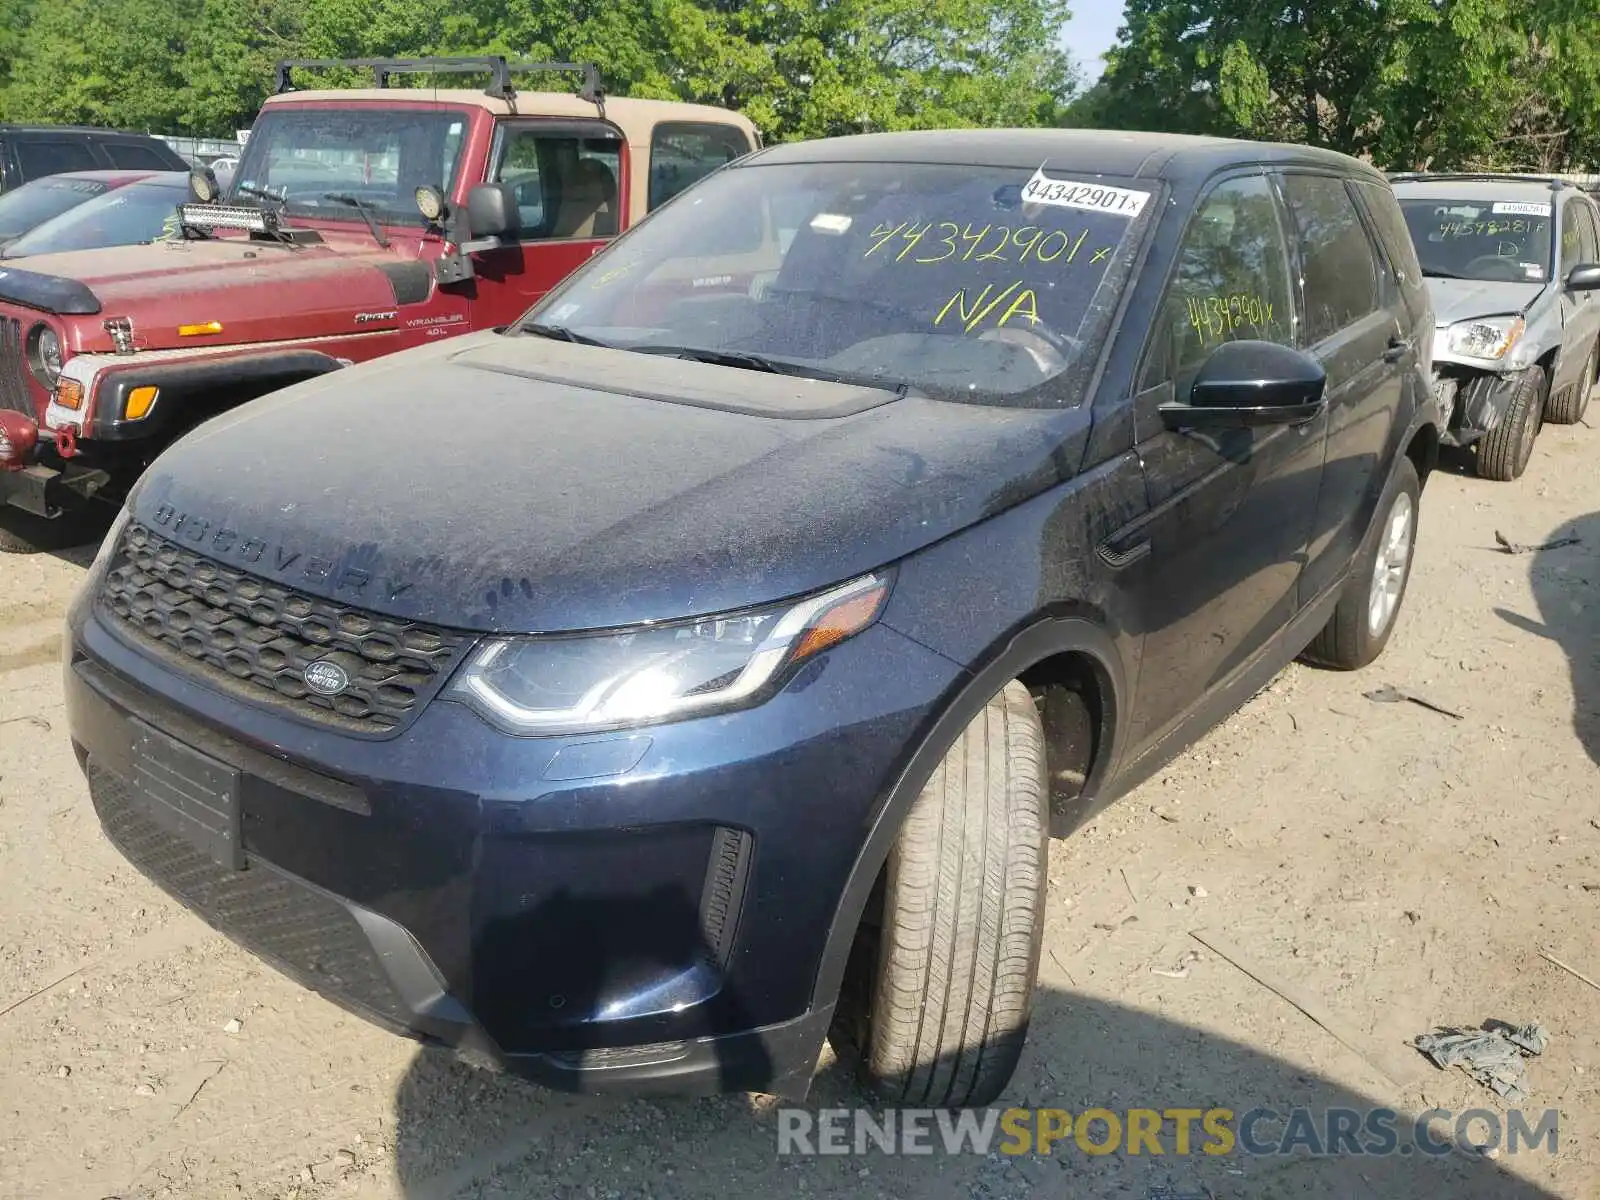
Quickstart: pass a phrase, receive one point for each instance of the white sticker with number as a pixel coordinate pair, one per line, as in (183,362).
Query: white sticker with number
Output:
(1508,208)
(1095,197)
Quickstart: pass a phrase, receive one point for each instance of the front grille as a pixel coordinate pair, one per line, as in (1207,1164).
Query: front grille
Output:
(303,932)
(13,368)
(255,638)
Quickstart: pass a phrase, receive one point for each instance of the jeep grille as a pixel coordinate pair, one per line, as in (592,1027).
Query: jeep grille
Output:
(254,638)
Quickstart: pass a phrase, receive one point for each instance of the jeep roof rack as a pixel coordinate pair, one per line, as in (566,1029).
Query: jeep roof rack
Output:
(496,65)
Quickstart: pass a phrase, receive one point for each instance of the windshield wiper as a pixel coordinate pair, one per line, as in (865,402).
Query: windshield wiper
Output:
(250,189)
(366,208)
(747,361)
(560,333)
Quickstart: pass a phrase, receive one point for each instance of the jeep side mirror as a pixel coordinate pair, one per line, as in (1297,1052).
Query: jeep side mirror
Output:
(1585,277)
(492,211)
(1249,383)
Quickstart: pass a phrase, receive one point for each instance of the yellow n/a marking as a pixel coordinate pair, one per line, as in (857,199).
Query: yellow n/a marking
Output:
(991,306)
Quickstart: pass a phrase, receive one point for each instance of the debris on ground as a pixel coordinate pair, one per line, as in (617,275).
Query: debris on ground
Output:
(1570,970)
(1389,694)
(1181,970)
(234,1025)
(1496,1055)
(1510,547)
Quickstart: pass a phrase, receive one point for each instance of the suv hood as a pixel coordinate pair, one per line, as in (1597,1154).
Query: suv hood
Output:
(1463,299)
(515,484)
(164,285)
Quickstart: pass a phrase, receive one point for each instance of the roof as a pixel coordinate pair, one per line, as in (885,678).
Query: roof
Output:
(1481,187)
(634,117)
(1125,153)
(92,130)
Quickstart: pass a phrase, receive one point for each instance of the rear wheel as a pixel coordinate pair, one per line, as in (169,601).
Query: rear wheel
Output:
(963,917)
(1504,452)
(1569,407)
(1365,617)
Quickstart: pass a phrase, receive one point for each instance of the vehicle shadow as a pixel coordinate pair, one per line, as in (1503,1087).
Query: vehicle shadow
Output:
(461,1131)
(1565,578)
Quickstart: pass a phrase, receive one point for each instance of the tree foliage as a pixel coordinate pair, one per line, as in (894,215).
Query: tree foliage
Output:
(1410,83)
(798,68)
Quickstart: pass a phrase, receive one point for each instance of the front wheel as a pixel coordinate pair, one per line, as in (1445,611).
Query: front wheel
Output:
(963,917)
(1365,617)
(1504,452)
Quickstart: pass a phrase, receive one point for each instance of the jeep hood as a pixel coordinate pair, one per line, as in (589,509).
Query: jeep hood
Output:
(523,485)
(1463,299)
(251,288)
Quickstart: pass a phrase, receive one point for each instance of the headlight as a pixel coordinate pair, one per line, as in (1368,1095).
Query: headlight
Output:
(1489,338)
(588,682)
(44,355)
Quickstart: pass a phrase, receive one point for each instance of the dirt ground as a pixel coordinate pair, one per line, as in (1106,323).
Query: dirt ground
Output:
(1393,867)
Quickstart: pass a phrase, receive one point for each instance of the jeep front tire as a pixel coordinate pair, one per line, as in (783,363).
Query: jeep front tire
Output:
(963,917)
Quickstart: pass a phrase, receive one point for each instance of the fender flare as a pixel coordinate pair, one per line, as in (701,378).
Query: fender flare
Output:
(1024,649)
(177,378)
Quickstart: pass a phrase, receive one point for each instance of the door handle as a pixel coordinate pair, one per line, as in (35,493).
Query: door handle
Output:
(1398,347)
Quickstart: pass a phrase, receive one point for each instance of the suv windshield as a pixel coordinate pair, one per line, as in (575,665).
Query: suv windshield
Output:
(1503,240)
(139,212)
(980,284)
(380,156)
(28,205)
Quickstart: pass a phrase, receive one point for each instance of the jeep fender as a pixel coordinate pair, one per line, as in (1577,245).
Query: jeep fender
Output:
(1032,645)
(113,377)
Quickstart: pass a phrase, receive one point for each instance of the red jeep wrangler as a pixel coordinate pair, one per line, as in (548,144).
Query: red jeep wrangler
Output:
(359,222)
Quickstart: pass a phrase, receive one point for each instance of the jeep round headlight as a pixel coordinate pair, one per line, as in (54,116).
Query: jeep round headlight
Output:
(582,683)
(44,355)
(1489,338)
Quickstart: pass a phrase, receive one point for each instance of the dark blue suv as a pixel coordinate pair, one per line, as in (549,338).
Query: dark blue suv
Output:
(641,693)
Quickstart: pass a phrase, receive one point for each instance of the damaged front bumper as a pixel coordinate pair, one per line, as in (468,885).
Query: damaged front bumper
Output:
(1470,404)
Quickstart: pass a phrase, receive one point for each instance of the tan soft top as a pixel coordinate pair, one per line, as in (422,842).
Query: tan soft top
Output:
(636,118)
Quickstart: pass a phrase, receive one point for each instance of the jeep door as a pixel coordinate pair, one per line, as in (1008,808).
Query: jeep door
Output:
(1231,508)
(1356,325)
(568,179)
(1580,311)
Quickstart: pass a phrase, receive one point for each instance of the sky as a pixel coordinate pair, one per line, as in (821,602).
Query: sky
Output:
(1091,32)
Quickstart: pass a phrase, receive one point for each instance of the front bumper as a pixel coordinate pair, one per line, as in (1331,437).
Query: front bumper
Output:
(645,910)
(1471,403)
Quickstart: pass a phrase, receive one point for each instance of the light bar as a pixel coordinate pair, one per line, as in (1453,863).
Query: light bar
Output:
(219,216)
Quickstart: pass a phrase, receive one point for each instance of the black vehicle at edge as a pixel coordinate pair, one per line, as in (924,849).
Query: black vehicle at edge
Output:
(635,716)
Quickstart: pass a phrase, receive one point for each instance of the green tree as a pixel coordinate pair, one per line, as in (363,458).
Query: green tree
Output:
(1410,83)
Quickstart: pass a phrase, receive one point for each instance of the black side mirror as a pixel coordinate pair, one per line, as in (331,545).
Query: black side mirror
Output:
(1585,277)
(1251,383)
(492,211)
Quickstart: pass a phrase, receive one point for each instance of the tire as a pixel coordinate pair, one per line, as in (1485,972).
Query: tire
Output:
(1504,452)
(1355,635)
(24,533)
(1570,407)
(963,917)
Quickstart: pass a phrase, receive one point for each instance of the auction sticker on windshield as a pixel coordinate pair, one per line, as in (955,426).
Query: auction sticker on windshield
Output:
(1067,193)
(1521,209)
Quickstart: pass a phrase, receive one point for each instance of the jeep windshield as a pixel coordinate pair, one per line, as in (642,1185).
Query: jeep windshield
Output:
(978,284)
(378,156)
(1493,240)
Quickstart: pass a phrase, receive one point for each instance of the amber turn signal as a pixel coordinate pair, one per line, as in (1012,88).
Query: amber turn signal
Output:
(69,394)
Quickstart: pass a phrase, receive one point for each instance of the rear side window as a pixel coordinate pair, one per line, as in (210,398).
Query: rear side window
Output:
(41,156)
(1395,235)
(1341,275)
(1230,283)
(682,154)
(136,157)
